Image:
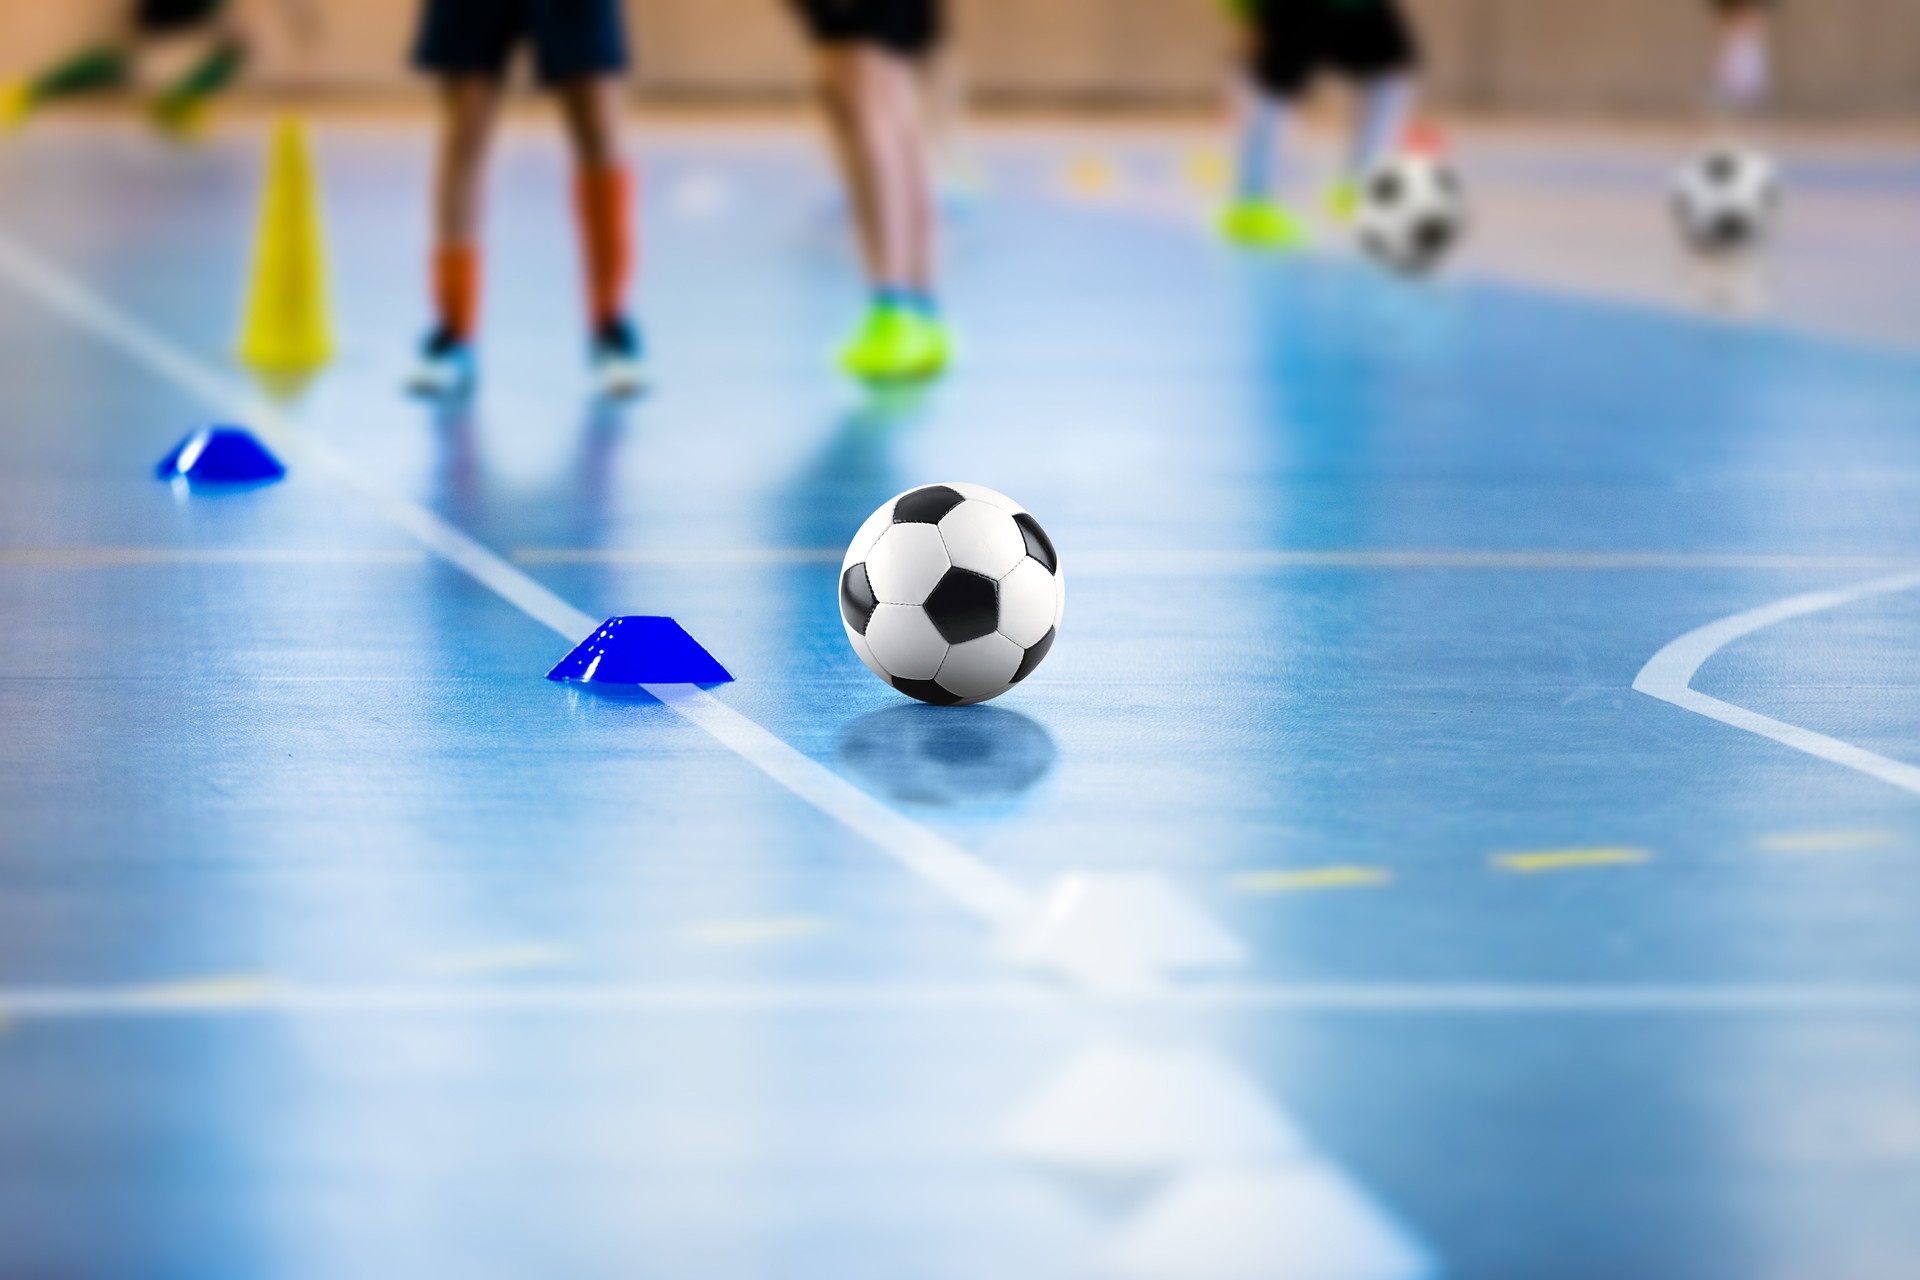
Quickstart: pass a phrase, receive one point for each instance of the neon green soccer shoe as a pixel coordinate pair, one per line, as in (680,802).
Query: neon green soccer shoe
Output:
(895,344)
(1263,224)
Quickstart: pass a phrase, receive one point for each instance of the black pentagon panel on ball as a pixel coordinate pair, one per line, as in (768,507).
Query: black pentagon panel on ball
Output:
(1722,166)
(927,691)
(926,506)
(1385,188)
(1032,657)
(1039,546)
(856,598)
(964,606)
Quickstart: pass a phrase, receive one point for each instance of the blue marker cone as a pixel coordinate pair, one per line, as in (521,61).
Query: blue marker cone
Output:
(220,455)
(640,650)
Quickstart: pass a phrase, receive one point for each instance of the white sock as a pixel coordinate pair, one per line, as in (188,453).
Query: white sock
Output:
(1262,141)
(1380,121)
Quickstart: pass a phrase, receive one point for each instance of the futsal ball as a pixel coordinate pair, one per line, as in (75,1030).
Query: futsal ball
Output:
(951,593)
(1413,211)
(1726,200)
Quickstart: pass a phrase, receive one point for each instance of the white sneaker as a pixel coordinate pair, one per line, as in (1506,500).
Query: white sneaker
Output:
(445,369)
(618,368)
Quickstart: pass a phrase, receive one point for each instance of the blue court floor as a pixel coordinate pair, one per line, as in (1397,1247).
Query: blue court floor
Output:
(1329,905)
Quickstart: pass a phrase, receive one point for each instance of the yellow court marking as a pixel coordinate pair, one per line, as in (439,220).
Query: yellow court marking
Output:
(491,960)
(1570,859)
(1092,175)
(230,991)
(1306,879)
(749,933)
(1828,841)
(1209,172)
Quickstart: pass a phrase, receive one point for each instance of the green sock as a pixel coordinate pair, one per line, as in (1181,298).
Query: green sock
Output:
(102,67)
(209,76)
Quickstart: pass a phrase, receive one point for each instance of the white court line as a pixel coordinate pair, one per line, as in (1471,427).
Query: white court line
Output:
(1098,563)
(1669,674)
(533,996)
(944,865)
(1201,560)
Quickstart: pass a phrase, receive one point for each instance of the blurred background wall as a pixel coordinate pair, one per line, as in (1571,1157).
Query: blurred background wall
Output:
(1857,58)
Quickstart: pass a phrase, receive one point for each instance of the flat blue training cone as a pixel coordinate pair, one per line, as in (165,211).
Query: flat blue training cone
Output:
(220,455)
(640,650)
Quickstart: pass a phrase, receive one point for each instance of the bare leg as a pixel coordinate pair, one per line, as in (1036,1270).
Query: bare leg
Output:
(873,109)
(471,105)
(592,106)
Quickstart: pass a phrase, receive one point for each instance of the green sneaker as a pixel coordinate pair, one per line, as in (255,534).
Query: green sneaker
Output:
(895,344)
(1263,224)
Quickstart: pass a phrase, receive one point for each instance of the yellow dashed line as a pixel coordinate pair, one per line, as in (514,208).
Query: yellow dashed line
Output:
(235,990)
(466,964)
(1570,859)
(1092,175)
(1208,171)
(1306,879)
(748,933)
(1827,841)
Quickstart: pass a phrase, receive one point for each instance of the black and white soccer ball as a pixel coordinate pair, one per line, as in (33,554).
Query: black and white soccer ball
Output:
(1413,213)
(1726,201)
(951,593)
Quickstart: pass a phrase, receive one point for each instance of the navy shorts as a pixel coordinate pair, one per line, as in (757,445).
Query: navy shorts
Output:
(160,16)
(910,28)
(1357,38)
(570,38)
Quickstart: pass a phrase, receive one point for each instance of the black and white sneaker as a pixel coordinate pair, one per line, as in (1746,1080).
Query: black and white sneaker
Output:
(618,368)
(445,369)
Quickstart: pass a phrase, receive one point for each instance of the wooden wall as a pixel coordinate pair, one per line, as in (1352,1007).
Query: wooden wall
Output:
(1836,57)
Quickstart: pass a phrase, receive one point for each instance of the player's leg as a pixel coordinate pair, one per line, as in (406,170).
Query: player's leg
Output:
(466,44)
(96,68)
(870,67)
(1742,71)
(183,107)
(603,207)
(581,49)
(1280,38)
(1372,42)
(470,106)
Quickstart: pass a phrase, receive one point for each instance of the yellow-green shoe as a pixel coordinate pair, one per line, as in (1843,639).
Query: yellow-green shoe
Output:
(894,344)
(1263,224)
(1343,201)
(16,104)
(184,119)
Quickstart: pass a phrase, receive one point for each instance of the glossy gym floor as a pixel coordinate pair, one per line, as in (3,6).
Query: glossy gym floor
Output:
(1469,824)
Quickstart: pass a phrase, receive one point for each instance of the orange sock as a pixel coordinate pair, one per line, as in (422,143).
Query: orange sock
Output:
(603,199)
(456,287)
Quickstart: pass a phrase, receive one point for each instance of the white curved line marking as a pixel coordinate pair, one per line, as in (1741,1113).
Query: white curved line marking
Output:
(1669,674)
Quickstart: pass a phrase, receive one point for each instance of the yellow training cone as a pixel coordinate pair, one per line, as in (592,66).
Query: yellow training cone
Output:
(286,330)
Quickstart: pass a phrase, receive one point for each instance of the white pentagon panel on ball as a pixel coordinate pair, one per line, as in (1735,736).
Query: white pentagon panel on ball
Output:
(992,497)
(864,652)
(906,563)
(982,538)
(1030,602)
(903,641)
(868,534)
(980,669)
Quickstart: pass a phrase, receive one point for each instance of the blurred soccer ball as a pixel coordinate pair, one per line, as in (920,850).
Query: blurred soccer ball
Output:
(951,593)
(1726,200)
(1413,212)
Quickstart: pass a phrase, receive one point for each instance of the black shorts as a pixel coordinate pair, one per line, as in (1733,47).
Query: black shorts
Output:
(910,28)
(1358,38)
(156,17)
(570,38)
